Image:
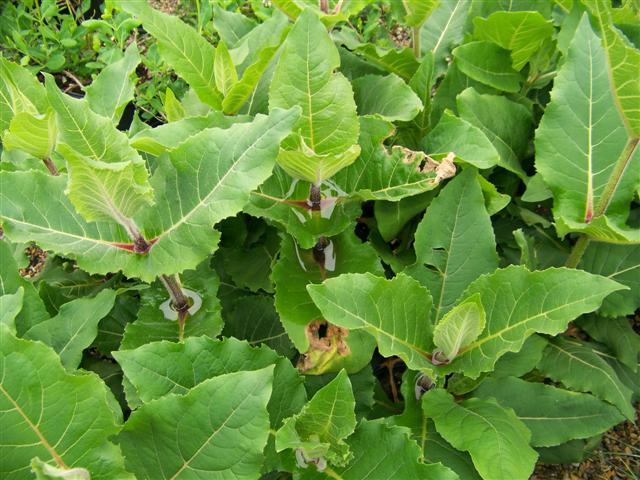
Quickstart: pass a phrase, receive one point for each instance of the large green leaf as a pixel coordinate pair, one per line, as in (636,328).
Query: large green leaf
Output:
(518,303)
(623,65)
(74,328)
(418,11)
(580,137)
(388,96)
(615,333)
(226,75)
(296,268)
(231,26)
(320,428)
(622,264)
(34,134)
(521,32)
(489,64)
(61,418)
(454,242)
(458,328)
(325,137)
(494,436)
(181,47)
(102,191)
(553,415)
(20,91)
(159,368)
(382,175)
(401,62)
(396,312)
(579,367)
(444,30)
(228,165)
(422,84)
(114,86)
(10,306)
(217,429)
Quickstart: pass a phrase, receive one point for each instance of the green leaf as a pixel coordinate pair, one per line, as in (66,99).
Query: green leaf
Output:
(225,72)
(623,65)
(243,158)
(320,428)
(158,369)
(325,136)
(617,334)
(256,320)
(391,217)
(444,30)
(181,47)
(518,302)
(296,268)
(10,306)
(173,109)
(20,91)
(44,471)
(622,264)
(380,174)
(401,62)
(521,32)
(507,124)
(74,327)
(170,135)
(523,361)
(494,436)
(489,64)
(47,413)
(105,191)
(576,152)
(466,141)
(396,312)
(418,11)
(580,368)
(231,26)
(422,84)
(388,97)
(219,426)
(114,86)
(553,415)
(454,242)
(34,134)
(459,327)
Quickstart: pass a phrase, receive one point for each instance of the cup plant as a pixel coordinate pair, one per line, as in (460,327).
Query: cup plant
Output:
(219,290)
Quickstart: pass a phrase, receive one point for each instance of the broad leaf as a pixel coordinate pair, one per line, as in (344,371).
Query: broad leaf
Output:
(623,64)
(622,264)
(489,64)
(225,72)
(219,428)
(157,369)
(454,242)
(380,174)
(444,30)
(181,47)
(494,436)
(10,306)
(422,84)
(507,124)
(401,62)
(396,312)
(576,153)
(518,303)
(34,134)
(231,26)
(388,97)
(418,11)
(615,333)
(325,136)
(516,364)
(74,328)
(521,32)
(579,367)
(63,419)
(114,86)
(105,192)
(320,428)
(228,164)
(553,415)
(20,92)
(458,328)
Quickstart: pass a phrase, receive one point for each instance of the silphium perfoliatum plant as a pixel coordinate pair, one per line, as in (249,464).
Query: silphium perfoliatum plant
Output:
(235,293)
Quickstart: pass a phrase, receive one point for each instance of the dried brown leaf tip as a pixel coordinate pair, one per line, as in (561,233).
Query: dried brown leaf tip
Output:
(326,344)
(443,169)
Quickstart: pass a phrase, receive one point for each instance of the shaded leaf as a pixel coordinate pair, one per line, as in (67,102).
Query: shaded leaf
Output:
(388,97)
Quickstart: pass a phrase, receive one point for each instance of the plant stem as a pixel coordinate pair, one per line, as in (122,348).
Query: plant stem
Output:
(315,197)
(140,244)
(51,166)
(605,200)
(415,40)
(324,6)
(329,472)
(179,300)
